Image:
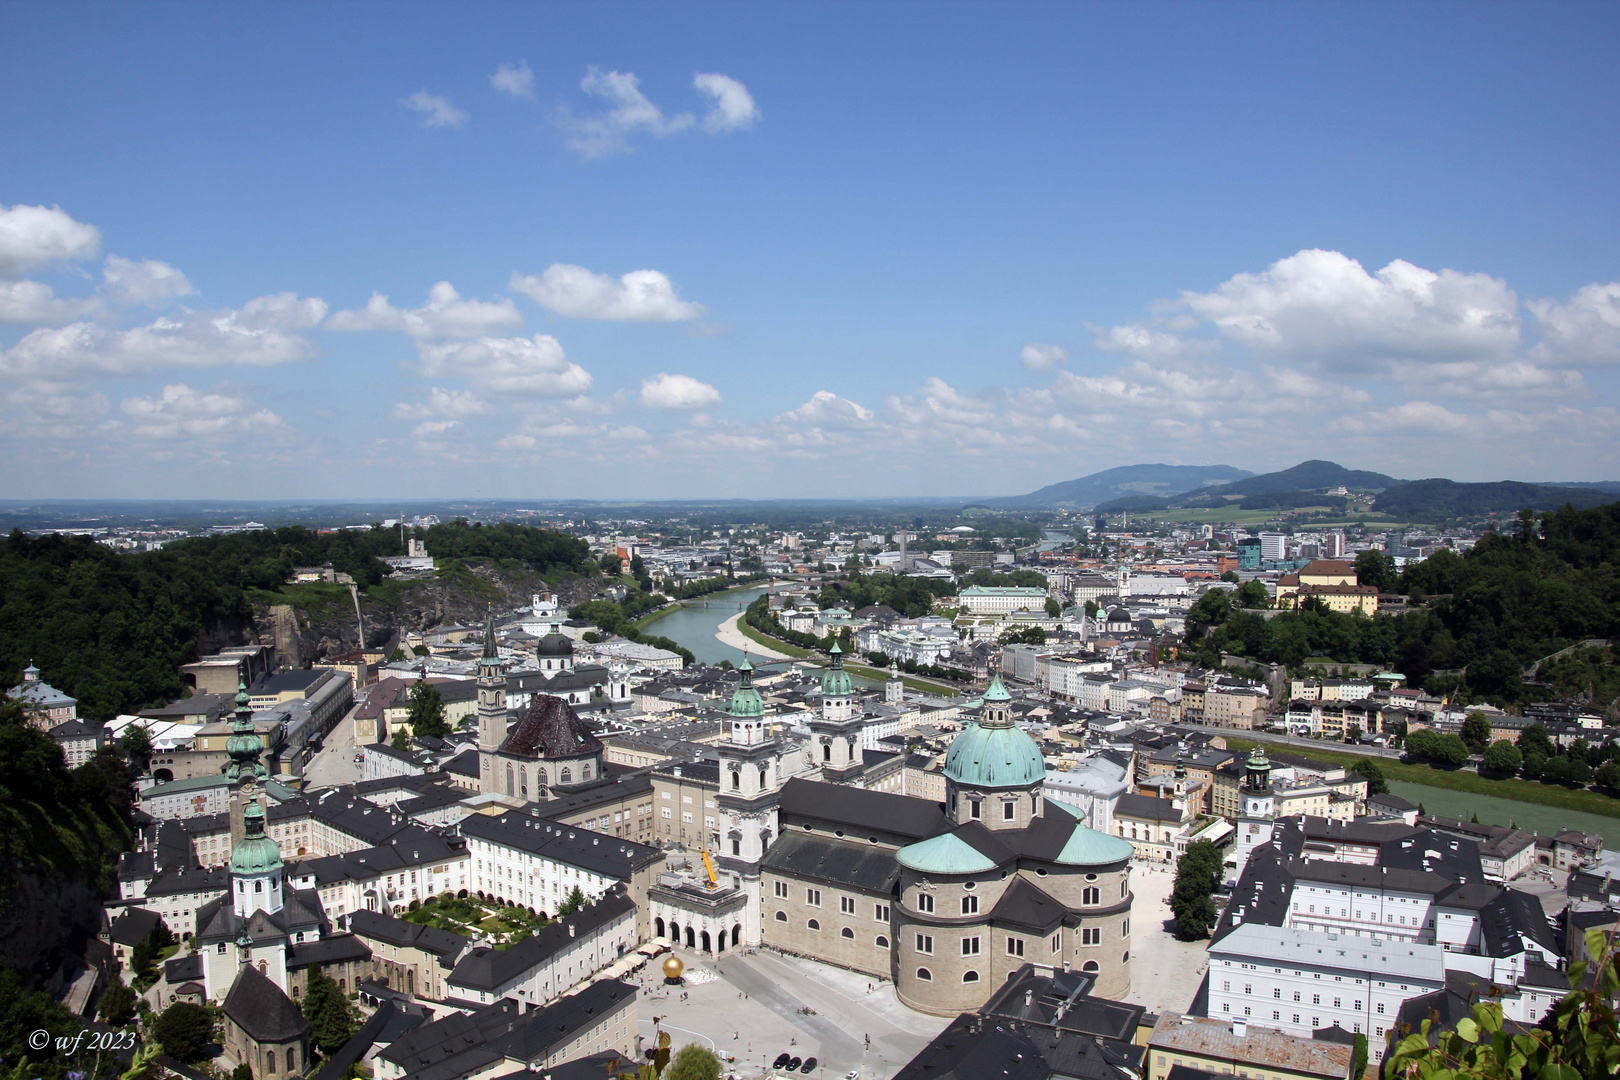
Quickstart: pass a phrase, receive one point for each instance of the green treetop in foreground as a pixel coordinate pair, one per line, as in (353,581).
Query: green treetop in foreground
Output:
(1576,1040)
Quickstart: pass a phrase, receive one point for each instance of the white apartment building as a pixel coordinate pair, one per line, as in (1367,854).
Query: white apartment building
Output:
(1273,546)
(533,862)
(1000,599)
(1302,981)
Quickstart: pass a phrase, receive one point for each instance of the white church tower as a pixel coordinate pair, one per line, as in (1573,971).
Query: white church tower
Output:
(750,791)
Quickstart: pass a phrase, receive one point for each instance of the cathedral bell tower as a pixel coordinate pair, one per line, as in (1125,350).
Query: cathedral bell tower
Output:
(835,739)
(244,767)
(491,707)
(750,791)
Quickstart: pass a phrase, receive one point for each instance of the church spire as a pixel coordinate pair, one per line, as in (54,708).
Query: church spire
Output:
(244,747)
(490,652)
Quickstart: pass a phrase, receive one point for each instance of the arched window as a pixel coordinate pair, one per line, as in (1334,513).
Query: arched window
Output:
(970,976)
(545,777)
(264,967)
(566,776)
(509,779)
(925,975)
(847,932)
(881,942)
(826,751)
(292,1059)
(736,781)
(781,916)
(585,771)
(523,783)
(764,776)
(258,886)
(814,925)
(1090,966)
(970,905)
(1090,895)
(270,1061)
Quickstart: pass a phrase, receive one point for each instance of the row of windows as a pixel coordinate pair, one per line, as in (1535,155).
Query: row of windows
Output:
(880,941)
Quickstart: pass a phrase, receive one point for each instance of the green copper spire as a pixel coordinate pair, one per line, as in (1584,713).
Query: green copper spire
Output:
(746,703)
(243,746)
(255,853)
(835,681)
(490,651)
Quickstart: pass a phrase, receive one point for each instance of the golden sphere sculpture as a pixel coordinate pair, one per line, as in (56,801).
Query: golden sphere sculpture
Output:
(673,968)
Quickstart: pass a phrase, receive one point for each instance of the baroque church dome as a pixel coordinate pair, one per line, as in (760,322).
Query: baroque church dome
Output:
(991,752)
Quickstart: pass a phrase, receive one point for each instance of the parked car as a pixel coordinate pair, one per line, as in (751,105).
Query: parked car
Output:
(809,1063)
(781,1060)
(793,1065)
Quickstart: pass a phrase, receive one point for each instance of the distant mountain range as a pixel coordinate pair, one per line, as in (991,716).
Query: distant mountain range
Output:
(1127,481)
(1142,488)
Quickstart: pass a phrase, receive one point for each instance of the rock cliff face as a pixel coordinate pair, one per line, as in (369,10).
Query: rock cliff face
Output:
(305,634)
(46,916)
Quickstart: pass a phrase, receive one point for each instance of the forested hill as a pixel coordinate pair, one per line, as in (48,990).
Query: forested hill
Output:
(112,630)
(1514,598)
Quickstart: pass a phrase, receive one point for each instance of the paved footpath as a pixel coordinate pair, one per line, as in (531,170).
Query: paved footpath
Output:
(791,1005)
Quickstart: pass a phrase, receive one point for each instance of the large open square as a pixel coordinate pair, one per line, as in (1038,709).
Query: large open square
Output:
(1165,972)
(756,1005)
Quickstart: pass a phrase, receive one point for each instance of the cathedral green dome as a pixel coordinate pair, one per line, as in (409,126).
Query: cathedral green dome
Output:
(994,756)
(255,853)
(835,681)
(746,704)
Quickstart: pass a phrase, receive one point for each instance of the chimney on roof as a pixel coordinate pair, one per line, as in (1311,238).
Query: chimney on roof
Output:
(1240,1026)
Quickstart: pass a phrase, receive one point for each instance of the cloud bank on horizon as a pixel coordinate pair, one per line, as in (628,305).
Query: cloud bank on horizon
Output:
(1295,353)
(710,297)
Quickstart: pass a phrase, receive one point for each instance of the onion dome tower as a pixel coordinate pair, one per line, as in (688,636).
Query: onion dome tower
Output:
(836,731)
(256,867)
(749,794)
(243,747)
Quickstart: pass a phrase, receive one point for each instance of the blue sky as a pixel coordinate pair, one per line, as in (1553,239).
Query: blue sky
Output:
(872,249)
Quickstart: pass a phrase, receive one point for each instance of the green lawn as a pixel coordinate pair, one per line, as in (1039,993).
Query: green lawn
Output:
(773,643)
(1527,791)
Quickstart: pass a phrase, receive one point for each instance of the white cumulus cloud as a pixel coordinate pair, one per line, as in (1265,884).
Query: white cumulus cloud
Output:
(35,236)
(1586,329)
(515,79)
(181,411)
(630,112)
(33,302)
(442,402)
(1043,357)
(147,282)
(639,296)
(446,315)
(731,105)
(527,366)
(825,409)
(264,332)
(1322,306)
(1407,418)
(666,391)
(436,111)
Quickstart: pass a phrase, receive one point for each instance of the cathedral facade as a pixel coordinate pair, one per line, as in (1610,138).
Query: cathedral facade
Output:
(944,899)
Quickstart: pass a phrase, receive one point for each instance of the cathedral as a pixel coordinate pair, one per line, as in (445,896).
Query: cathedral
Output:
(946,900)
(548,751)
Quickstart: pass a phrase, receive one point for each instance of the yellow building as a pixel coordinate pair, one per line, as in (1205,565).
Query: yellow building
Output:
(1331,581)
(1242,1049)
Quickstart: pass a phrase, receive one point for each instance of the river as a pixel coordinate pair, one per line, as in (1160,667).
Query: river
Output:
(1532,817)
(694,623)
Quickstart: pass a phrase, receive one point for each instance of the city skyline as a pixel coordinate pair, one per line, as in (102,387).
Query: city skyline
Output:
(705,251)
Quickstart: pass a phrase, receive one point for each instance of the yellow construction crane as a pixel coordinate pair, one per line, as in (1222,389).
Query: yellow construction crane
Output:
(708,864)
